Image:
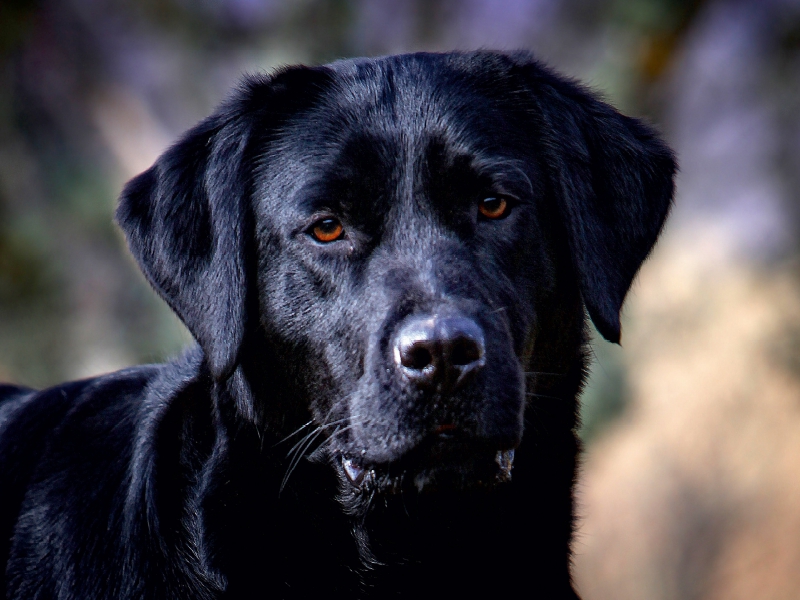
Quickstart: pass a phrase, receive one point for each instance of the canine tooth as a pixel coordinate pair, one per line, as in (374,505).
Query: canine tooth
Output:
(505,460)
(353,470)
(369,477)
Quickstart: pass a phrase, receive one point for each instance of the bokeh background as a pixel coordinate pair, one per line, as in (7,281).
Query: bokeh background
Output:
(690,487)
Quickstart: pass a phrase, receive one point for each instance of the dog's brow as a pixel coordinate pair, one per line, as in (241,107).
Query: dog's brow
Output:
(506,174)
(316,196)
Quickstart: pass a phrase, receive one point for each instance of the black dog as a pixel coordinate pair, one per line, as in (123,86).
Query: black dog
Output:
(385,264)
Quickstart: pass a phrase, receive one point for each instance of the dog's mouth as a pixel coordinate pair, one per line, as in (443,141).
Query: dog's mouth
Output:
(437,467)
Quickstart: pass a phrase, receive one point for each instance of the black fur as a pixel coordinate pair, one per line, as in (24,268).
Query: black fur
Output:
(220,475)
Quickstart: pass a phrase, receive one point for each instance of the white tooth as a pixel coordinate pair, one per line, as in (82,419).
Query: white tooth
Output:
(354,472)
(505,460)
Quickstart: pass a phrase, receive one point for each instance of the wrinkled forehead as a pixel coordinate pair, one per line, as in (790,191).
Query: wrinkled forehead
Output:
(395,124)
(413,103)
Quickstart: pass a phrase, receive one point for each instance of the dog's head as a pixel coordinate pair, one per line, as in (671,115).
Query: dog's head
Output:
(399,233)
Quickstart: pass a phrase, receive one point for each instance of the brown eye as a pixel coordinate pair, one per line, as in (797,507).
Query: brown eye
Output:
(327,230)
(493,208)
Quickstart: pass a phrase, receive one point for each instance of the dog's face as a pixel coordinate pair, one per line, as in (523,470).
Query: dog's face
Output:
(397,231)
(401,254)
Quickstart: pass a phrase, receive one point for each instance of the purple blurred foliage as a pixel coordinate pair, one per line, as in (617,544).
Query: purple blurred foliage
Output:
(725,125)
(498,23)
(387,26)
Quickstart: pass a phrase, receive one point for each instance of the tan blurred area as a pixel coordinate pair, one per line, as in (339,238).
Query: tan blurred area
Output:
(695,493)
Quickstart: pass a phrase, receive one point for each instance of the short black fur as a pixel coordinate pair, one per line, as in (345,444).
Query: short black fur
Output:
(388,414)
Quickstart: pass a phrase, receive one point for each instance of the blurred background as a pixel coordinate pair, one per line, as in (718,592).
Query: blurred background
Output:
(690,486)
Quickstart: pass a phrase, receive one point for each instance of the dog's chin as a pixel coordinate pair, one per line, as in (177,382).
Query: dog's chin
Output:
(439,467)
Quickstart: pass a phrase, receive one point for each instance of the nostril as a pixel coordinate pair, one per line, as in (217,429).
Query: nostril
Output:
(417,357)
(465,351)
(443,351)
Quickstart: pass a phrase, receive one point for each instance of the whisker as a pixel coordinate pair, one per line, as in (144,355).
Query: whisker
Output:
(302,441)
(535,395)
(302,427)
(299,455)
(545,373)
(338,431)
(315,431)
(294,433)
(300,449)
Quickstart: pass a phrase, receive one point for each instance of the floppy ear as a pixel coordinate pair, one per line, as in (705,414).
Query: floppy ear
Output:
(613,178)
(188,218)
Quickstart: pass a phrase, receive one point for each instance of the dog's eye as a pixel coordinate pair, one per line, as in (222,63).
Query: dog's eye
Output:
(494,208)
(327,230)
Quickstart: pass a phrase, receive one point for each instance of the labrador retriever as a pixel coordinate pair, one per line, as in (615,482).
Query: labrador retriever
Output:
(387,265)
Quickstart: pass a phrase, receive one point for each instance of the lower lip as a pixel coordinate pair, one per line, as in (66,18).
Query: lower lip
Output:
(357,474)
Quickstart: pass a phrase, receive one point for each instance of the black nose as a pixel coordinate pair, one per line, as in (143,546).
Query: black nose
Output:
(439,350)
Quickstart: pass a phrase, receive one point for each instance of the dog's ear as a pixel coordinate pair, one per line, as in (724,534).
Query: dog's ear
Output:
(613,178)
(188,219)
